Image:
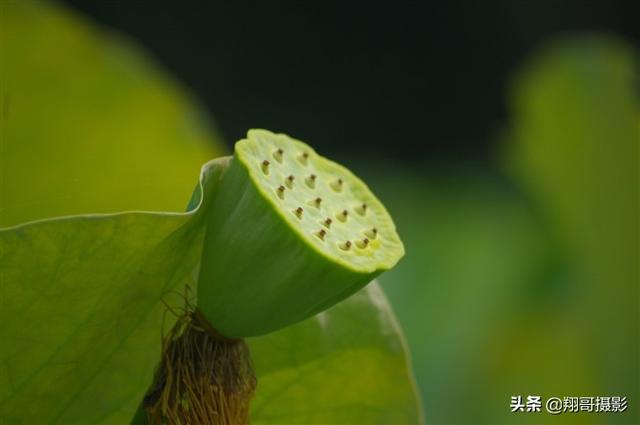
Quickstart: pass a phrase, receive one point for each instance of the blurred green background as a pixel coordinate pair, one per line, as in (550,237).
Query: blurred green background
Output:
(507,154)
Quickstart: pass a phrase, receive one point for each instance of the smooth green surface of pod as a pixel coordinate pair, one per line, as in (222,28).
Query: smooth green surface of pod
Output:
(290,235)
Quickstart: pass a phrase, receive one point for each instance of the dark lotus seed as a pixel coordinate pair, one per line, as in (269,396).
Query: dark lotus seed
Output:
(363,243)
(373,233)
(290,180)
(311,181)
(265,166)
(345,246)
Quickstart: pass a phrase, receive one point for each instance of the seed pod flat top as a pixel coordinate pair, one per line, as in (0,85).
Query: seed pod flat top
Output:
(289,234)
(323,202)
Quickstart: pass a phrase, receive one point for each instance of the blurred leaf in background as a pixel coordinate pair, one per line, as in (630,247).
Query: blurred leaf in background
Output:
(473,245)
(576,150)
(88,123)
(529,286)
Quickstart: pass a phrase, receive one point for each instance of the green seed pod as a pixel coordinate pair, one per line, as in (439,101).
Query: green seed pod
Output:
(291,233)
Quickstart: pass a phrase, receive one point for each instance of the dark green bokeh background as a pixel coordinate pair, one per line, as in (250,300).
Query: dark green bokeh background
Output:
(409,80)
(503,138)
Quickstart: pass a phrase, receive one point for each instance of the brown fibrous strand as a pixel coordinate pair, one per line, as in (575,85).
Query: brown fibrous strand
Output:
(203,377)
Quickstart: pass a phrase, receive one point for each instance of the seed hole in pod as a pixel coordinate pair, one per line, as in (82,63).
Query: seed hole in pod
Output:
(327,223)
(346,246)
(336,185)
(303,158)
(316,202)
(280,192)
(277,154)
(342,216)
(320,234)
(361,209)
(371,233)
(363,243)
(265,166)
(289,181)
(311,181)
(298,212)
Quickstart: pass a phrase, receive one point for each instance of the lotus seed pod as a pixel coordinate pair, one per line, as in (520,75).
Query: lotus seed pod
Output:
(291,234)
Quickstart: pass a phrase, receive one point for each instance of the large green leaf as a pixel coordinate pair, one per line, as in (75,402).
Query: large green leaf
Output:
(81,318)
(344,366)
(95,128)
(81,309)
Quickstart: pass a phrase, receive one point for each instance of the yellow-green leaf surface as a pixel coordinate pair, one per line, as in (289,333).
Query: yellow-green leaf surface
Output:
(89,115)
(90,126)
(344,366)
(81,310)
